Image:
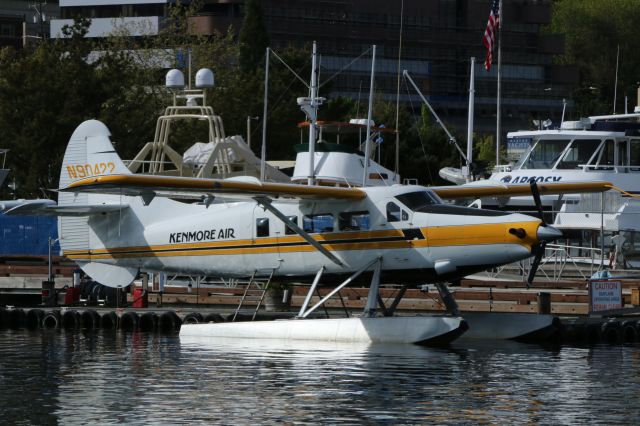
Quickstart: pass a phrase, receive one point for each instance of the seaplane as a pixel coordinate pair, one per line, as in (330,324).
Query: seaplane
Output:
(115,224)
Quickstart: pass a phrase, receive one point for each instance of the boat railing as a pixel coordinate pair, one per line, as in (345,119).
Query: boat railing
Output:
(560,262)
(604,203)
(146,165)
(609,167)
(502,168)
(409,181)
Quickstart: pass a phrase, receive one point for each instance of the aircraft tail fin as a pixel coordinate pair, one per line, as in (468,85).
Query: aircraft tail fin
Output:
(89,153)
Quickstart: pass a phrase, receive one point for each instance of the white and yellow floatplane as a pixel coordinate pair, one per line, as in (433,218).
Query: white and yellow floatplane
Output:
(114,224)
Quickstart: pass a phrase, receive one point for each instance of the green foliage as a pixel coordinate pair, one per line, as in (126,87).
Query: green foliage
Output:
(253,37)
(437,151)
(593,31)
(47,90)
(484,148)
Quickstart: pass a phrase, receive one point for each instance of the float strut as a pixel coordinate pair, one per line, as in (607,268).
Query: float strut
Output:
(448,299)
(374,291)
(392,309)
(310,292)
(377,260)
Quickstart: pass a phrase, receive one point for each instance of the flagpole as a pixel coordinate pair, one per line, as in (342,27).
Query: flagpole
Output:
(498,97)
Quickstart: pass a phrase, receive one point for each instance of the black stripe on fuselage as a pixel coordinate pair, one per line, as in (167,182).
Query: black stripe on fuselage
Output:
(408,234)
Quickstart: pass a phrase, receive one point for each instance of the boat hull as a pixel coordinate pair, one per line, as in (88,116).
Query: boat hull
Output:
(428,330)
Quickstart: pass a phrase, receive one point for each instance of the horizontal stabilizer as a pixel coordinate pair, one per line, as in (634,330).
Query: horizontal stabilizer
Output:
(9,204)
(47,209)
(109,275)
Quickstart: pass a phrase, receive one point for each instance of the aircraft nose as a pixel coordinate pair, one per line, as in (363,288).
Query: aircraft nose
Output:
(548,233)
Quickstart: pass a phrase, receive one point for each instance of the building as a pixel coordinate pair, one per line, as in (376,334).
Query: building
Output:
(136,17)
(21,20)
(438,39)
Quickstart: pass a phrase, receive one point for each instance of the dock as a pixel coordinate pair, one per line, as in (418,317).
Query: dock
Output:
(21,304)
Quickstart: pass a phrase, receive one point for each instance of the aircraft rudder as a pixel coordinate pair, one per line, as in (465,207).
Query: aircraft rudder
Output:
(90,153)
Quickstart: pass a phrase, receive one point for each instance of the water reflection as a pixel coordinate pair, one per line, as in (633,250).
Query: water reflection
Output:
(137,378)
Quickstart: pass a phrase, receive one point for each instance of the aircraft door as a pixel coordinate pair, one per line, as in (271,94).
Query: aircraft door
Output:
(398,217)
(264,253)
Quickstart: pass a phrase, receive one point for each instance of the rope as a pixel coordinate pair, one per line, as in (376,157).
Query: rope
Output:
(290,69)
(622,191)
(343,68)
(413,113)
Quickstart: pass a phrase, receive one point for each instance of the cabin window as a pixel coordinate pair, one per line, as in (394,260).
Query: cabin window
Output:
(395,213)
(287,229)
(378,175)
(634,156)
(353,221)
(262,227)
(623,157)
(318,222)
(418,201)
(544,154)
(606,157)
(578,154)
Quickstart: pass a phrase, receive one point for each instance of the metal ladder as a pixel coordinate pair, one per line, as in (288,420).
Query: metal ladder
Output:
(260,286)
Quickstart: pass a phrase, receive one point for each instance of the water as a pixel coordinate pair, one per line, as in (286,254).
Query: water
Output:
(50,377)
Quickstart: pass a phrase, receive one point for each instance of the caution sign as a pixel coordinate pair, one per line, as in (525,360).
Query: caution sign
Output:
(605,295)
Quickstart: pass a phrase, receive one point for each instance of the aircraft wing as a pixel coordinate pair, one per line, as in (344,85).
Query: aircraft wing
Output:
(48,209)
(496,189)
(169,186)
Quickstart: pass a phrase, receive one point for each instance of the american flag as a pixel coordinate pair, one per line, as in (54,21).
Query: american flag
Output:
(489,38)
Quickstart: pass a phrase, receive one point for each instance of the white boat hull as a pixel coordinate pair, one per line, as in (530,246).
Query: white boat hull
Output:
(517,326)
(419,330)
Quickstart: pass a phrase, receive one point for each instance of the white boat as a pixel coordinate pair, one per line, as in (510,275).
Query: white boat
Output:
(604,148)
(340,162)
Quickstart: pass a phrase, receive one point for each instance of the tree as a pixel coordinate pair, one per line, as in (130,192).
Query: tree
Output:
(253,37)
(484,148)
(593,31)
(48,89)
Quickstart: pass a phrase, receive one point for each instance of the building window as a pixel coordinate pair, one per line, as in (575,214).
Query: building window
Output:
(262,227)
(318,222)
(7,30)
(353,221)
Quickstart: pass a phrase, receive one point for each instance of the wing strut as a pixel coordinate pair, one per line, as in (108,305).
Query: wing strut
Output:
(266,203)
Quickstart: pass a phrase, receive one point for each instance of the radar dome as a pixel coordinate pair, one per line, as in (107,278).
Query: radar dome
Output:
(174,79)
(204,78)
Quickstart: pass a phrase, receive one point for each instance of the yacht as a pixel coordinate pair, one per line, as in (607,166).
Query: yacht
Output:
(600,229)
(605,148)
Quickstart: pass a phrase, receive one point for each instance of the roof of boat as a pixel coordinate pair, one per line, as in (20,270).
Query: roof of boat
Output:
(345,127)
(563,134)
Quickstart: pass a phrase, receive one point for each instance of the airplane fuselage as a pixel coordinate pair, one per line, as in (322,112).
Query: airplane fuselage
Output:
(434,241)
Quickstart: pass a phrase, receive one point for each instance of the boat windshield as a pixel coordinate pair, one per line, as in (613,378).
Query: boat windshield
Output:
(543,155)
(578,154)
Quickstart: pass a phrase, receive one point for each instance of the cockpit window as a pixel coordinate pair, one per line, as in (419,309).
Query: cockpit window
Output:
(393,212)
(544,154)
(578,154)
(417,201)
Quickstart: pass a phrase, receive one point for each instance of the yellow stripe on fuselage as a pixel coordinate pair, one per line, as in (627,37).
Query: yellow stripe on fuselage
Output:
(437,236)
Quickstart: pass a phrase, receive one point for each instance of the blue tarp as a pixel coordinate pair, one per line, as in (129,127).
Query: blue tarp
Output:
(28,235)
